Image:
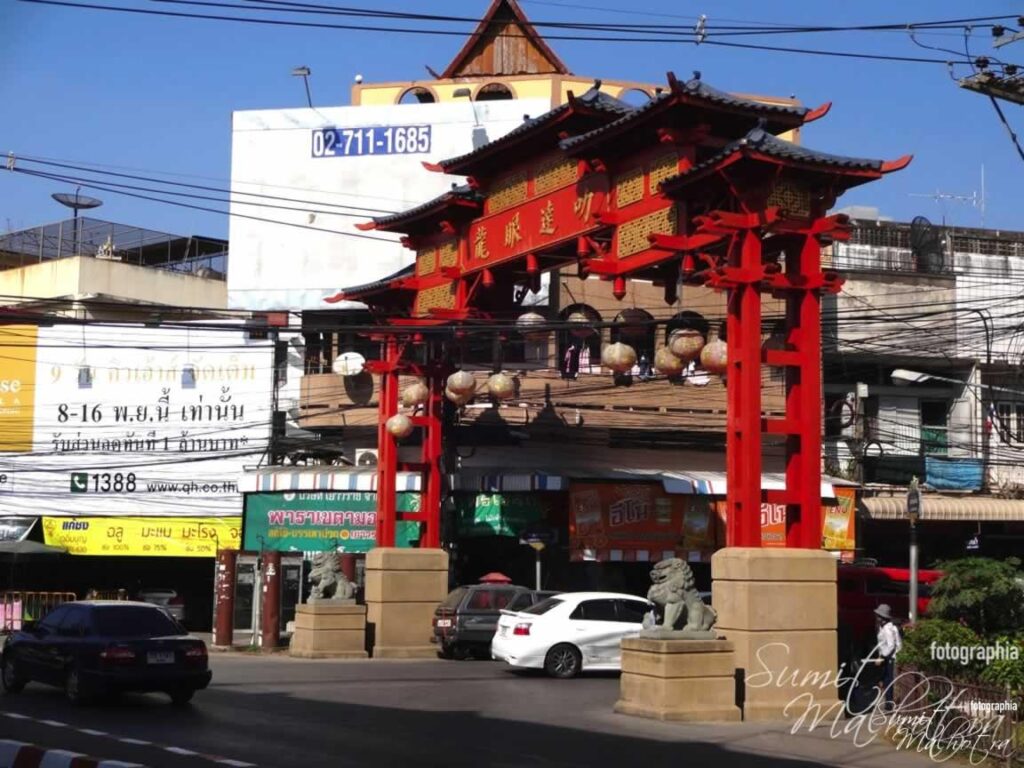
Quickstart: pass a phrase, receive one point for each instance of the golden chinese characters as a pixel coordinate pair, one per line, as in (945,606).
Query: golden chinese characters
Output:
(513,232)
(547,219)
(480,244)
(582,206)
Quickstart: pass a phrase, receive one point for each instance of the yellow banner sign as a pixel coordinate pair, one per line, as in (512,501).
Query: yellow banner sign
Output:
(17,387)
(144,536)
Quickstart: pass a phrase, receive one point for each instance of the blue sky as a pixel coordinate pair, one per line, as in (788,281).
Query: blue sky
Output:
(157,93)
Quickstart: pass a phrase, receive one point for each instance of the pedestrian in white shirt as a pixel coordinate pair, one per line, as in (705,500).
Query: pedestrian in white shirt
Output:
(888,645)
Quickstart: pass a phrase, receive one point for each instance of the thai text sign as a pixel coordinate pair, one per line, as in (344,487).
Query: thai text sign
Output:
(17,387)
(141,536)
(536,225)
(838,522)
(316,521)
(498,514)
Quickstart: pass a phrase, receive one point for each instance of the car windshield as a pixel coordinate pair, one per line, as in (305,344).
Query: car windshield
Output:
(135,621)
(454,598)
(544,606)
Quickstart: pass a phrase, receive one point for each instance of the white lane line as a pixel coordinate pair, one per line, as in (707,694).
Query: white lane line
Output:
(140,742)
(180,751)
(54,723)
(236,763)
(92,732)
(15,715)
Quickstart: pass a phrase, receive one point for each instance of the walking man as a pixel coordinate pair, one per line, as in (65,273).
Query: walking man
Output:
(887,646)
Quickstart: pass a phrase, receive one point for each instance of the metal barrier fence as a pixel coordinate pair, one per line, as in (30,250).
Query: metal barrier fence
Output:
(947,709)
(19,607)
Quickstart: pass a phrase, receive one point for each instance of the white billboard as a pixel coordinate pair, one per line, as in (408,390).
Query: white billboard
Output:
(131,420)
(329,169)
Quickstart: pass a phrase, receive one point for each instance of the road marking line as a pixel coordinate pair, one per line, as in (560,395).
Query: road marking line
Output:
(15,715)
(180,751)
(236,763)
(54,723)
(92,732)
(141,742)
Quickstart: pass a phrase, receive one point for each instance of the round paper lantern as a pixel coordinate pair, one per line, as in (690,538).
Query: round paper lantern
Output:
(580,325)
(619,357)
(667,363)
(715,357)
(632,323)
(399,426)
(501,386)
(460,399)
(462,383)
(415,394)
(686,344)
(528,324)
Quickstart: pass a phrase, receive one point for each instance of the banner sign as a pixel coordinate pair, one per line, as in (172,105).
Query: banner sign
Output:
(498,514)
(344,521)
(838,522)
(143,537)
(136,421)
(15,528)
(610,519)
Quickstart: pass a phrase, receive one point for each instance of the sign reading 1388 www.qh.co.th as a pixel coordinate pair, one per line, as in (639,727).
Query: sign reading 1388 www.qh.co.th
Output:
(130,420)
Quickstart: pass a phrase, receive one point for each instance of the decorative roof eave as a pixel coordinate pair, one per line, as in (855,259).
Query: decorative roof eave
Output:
(761,146)
(402,280)
(696,93)
(460,200)
(529,31)
(593,103)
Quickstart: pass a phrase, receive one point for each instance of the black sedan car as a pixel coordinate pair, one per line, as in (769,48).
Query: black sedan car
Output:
(102,648)
(465,622)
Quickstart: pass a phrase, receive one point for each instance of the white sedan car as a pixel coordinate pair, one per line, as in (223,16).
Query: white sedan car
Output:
(569,632)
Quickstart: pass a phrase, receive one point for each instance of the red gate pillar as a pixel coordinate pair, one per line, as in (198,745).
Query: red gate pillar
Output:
(430,502)
(743,438)
(387,450)
(224,598)
(270,594)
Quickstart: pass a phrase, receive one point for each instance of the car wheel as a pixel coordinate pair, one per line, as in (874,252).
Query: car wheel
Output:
(73,687)
(460,652)
(563,661)
(446,651)
(182,696)
(10,679)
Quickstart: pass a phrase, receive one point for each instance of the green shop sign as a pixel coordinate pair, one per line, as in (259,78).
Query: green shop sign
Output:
(497,514)
(315,521)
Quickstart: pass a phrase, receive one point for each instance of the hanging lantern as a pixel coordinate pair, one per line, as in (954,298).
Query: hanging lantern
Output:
(619,357)
(461,383)
(501,386)
(415,394)
(528,324)
(715,357)
(399,426)
(667,363)
(632,323)
(619,288)
(580,325)
(457,398)
(686,344)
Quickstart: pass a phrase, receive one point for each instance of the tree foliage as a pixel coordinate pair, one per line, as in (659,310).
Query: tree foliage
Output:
(920,639)
(983,593)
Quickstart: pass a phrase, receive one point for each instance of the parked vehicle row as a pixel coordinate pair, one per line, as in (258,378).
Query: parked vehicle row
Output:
(467,618)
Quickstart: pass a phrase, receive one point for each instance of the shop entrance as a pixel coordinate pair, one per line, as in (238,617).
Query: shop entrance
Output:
(248,573)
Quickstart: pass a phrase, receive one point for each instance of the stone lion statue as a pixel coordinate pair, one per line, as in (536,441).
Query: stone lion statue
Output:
(329,583)
(673,589)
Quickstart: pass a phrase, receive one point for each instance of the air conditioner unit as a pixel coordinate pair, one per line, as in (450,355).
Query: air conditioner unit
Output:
(366,457)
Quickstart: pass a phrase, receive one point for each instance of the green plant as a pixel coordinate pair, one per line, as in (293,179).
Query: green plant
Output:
(1008,671)
(983,593)
(921,639)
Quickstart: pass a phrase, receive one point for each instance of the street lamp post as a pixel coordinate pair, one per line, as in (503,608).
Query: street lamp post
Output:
(913,513)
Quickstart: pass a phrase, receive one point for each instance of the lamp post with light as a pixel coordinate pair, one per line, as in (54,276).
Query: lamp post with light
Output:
(913,513)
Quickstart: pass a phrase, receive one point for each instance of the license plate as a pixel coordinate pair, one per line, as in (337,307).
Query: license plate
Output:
(443,623)
(160,657)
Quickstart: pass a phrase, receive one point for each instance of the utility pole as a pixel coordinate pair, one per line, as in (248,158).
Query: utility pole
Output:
(999,81)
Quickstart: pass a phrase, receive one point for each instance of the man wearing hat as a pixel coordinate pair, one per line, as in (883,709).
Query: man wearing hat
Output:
(888,645)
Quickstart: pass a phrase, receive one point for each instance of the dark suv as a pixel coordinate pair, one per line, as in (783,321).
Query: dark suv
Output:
(465,622)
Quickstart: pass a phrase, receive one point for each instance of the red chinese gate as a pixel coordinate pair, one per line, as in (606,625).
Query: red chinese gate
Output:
(694,187)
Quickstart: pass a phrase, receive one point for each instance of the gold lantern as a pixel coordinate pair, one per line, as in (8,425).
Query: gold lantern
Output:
(632,323)
(667,363)
(531,325)
(501,386)
(619,357)
(460,399)
(461,383)
(399,426)
(686,344)
(415,394)
(715,357)
(580,325)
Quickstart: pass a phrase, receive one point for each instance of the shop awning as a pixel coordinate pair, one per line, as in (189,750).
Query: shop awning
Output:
(947,508)
(272,479)
(714,483)
(496,481)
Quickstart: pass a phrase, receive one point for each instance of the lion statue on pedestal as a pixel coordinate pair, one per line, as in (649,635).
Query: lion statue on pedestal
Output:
(673,589)
(329,583)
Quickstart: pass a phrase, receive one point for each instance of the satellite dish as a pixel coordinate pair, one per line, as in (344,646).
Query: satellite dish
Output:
(926,246)
(76,201)
(348,364)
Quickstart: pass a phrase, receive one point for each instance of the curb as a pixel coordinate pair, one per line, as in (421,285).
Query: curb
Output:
(16,754)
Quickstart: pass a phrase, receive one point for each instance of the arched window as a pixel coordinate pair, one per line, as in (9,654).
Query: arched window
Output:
(417,95)
(579,345)
(635,97)
(494,92)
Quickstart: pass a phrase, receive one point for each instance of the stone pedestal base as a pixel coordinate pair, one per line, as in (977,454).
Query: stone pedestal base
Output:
(690,680)
(329,631)
(403,588)
(779,608)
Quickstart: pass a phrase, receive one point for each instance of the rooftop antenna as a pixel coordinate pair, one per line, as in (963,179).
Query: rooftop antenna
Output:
(77,202)
(975,199)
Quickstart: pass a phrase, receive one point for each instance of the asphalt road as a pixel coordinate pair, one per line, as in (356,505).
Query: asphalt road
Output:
(283,712)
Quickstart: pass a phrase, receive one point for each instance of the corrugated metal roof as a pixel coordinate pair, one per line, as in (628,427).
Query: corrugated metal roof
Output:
(947,508)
